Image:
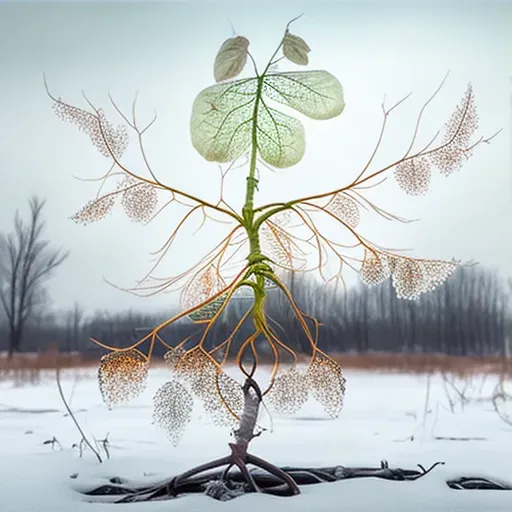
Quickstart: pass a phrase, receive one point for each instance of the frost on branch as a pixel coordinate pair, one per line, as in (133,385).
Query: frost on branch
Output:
(122,376)
(435,273)
(459,130)
(108,139)
(172,410)
(345,209)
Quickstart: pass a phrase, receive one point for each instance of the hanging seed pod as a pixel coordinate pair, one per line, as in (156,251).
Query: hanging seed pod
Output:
(139,199)
(408,279)
(327,384)
(95,210)
(172,357)
(375,268)
(122,376)
(289,392)
(413,176)
(345,208)
(218,393)
(172,410)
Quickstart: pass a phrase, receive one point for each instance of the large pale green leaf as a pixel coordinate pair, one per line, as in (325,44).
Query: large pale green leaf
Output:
(222,121)
(220,125)
(316,94)
(280,138)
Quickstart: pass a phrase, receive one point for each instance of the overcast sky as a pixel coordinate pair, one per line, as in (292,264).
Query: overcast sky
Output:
(165,51)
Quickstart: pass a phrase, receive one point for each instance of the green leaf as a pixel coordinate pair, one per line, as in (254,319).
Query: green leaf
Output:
(231,58)
(220,125)
(316,94)
(280,138)
(295,49)
(222,121)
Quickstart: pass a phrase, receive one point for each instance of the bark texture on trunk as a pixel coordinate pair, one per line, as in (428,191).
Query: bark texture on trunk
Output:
(238,458)
(252,399)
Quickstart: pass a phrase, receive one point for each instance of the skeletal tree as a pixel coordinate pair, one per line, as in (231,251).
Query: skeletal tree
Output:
(74,326)
(27,261)
(233,123)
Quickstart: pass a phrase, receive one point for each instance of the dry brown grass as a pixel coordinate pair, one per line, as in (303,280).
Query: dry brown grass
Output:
(414,363)
(25,369)
(425,363)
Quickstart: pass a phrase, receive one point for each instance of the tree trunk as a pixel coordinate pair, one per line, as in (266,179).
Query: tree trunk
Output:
(14,342)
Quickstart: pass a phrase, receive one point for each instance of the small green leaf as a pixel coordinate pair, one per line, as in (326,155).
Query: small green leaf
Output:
(231,58)
(295,49)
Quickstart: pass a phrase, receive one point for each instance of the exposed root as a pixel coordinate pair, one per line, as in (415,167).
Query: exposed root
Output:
(283,483)
(265,478)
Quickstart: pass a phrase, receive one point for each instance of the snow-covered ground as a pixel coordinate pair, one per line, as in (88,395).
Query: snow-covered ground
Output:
(380,415)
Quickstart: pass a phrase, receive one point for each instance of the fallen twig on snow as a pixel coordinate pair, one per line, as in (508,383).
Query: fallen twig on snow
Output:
(84,439)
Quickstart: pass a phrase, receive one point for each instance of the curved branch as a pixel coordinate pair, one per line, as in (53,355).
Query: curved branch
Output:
(175,318)
(273,208)
(153,182)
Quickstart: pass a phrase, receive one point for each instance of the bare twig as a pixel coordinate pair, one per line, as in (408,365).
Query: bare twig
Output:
(53,441)
(84,438)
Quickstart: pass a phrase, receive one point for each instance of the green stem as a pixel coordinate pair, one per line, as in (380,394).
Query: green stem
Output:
(257,261)
(248,209)
(262,218)
(252,183)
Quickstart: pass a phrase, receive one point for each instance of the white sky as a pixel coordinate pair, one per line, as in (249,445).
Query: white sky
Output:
(166,51)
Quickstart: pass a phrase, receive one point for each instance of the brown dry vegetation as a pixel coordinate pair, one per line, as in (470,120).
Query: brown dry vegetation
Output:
(24,369)
(30,368)
(425,363)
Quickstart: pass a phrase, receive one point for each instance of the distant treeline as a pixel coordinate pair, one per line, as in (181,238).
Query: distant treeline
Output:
(468,315)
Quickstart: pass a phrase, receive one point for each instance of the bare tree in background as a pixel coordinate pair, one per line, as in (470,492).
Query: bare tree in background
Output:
(74,325)
(508,334)
(26,262)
